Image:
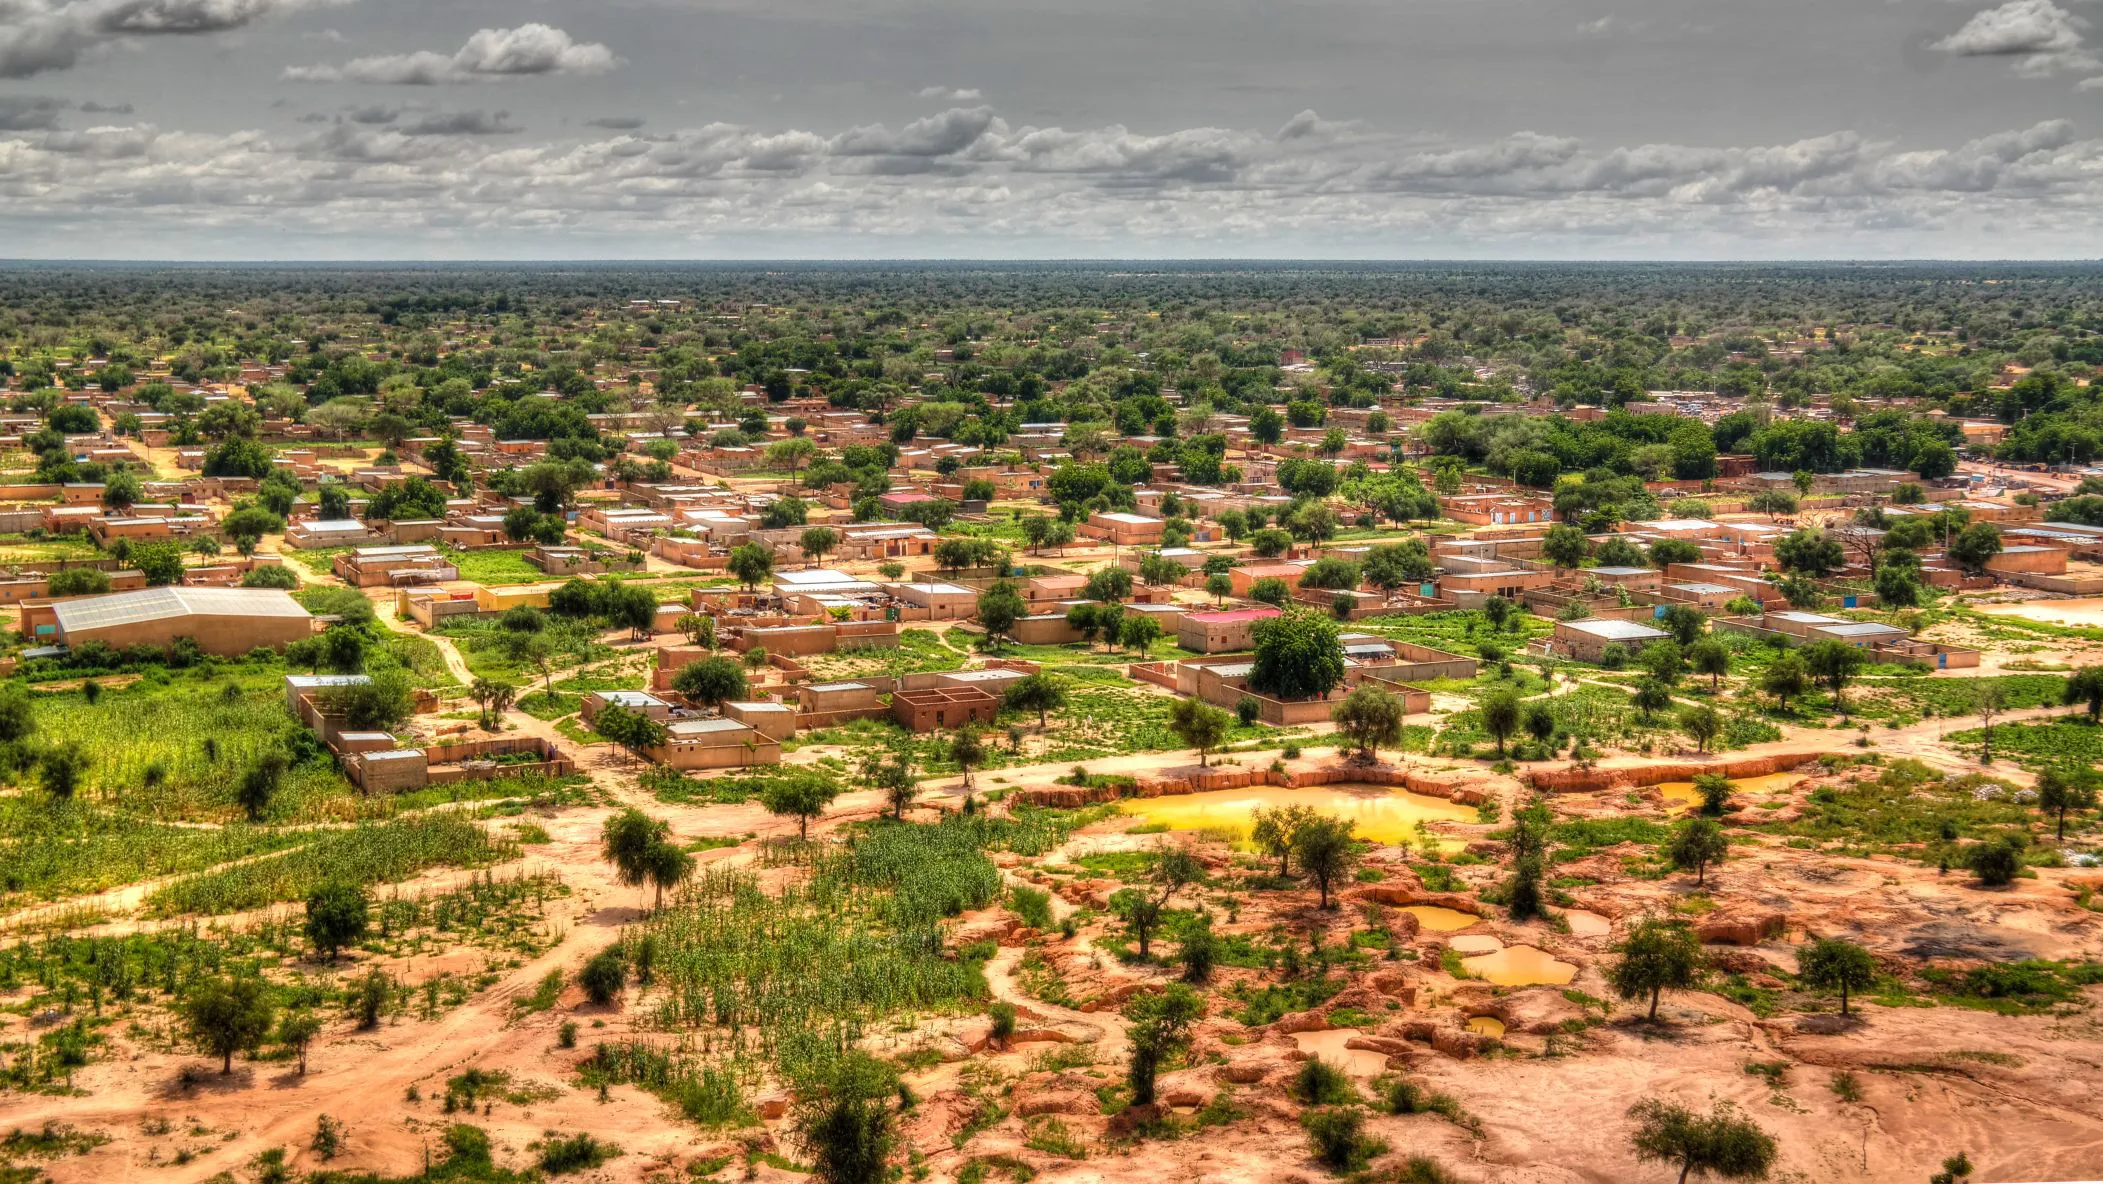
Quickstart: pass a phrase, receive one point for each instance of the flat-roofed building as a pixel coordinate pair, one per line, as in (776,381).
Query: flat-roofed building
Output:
(1587,640)
(1123,529)
(714,744)
(640,702)
(1223,632)
(226,622)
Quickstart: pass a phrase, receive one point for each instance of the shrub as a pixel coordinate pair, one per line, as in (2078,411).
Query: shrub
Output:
(1338,1136)
(1033,905)
(577,1153)
(1995,862)
(1320,1083)
(1002,1030)
(603,977)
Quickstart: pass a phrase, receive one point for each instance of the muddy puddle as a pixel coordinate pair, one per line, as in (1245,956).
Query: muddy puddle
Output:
(1380,814)
(1519,966)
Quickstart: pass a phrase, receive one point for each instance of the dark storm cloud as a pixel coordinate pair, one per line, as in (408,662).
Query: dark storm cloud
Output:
(29,113)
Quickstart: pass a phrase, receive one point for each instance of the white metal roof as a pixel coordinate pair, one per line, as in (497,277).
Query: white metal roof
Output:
(154,604)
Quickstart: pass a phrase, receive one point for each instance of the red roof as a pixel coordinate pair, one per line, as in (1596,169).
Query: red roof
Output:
(1231,615)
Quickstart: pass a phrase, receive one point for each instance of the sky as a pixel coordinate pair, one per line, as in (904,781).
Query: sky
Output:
(782,129)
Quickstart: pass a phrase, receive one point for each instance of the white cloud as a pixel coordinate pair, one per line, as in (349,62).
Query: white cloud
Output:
(37,36)
(490,54)
(2043,37)
(411,180)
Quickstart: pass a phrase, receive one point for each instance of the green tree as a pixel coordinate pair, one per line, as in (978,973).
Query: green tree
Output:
(160,563)
(1664,660)
(751,564)
(1785,678)
(1041,692)
(1275,828)
(1721,1144)
(61,769)
(666,866)
(336,917)
(1657,955)
(2058,792)
(1326,851)
(1651,697)
(817,542)
(1370,717)
(1811,551)
(1834,663)
(1697,843)
(2086,686)
(1565,546)
(1298,656)
(1835,964)
(1711,657)
(625,840)
(999,607)
(1199,725)
(1529,848)
(967,751)
(1974,546)
(296,1030)
(227,1015)
(493,698)
(1111,585)
(1684,623)
(711,681)
(86,581)
(802,796)
(1270,590)
(1501,715)
(1157,1024)
(1701,723)
(1139,631)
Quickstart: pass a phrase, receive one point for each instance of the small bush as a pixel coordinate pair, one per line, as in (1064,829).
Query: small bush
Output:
(603,977)
(1033,905)
(328,1138)
(1320,1083)
(578,1153)
(1002,1015)
(1337,1134)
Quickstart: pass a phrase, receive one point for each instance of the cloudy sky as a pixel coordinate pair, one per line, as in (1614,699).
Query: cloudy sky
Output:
(478,129)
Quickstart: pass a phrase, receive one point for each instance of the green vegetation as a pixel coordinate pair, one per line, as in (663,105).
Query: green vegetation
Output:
(371,853)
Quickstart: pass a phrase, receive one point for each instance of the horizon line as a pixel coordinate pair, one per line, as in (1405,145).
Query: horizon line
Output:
(1044,260)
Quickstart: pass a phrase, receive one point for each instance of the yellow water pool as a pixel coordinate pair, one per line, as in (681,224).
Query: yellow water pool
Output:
(1434,919)
(1683,794)
(1381,814)
(1520,966)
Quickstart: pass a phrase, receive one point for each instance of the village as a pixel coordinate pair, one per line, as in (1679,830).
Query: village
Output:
(601,770)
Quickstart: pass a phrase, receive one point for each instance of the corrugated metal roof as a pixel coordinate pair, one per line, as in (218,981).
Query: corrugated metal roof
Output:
(155,604)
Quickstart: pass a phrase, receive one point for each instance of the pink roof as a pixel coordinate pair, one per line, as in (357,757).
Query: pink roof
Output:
(1231,615)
